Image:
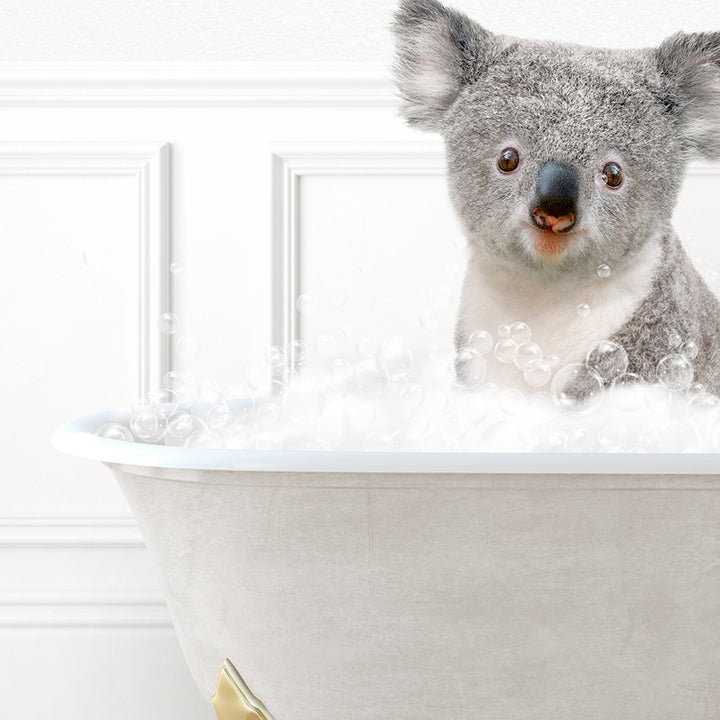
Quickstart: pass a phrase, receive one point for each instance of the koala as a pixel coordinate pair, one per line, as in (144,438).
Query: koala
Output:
(564,164)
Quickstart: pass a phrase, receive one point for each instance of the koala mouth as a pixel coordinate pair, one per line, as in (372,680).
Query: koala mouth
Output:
(551,241)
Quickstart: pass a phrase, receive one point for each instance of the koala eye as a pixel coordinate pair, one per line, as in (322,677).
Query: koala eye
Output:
(612,175)
(509,160)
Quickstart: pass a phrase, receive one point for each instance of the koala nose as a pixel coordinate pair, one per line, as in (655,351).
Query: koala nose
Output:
(556,195)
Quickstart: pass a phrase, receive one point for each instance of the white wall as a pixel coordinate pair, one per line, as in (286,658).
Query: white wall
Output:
(108,172)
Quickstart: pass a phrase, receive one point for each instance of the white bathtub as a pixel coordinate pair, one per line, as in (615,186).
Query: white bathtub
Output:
(357,586)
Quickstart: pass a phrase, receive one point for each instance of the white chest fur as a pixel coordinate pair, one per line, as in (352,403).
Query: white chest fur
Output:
(496,294)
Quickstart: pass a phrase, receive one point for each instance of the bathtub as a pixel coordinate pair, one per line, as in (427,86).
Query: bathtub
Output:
(418,586)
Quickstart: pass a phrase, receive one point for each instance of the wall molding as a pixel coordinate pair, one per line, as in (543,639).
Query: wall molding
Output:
(205,84)
(49,608)
(290,164)
(149,164)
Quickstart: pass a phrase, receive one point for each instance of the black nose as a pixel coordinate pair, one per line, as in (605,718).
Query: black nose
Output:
(556,193)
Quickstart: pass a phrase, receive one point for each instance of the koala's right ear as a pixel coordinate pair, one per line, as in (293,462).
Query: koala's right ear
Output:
(438,51)
(691,63)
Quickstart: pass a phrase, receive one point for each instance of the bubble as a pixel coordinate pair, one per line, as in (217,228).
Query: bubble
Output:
(511,401)
(340,370)
(267,441)
(204,438)
(603,271)
(527,352)
(115,431)
(505,350)
(583,310)
(674,338)
(537,373)
(303,402)
(188,346)
(624,394)
(176,269)
(275,358)
(366,346)
(406,441)
(581,440)
(394,357)
(469,367)
(297,352)
(368,379)
(704,402)
(435,353)
(236,437)
(412,395)
(168,323)
(208,390)
(378,441)
(689,350)
(553,361)
(613,436)
(307,304)
(325,344)
(520,333)
(608,359)
(173,380)
(503,330)
(180,424)
(268,413)
(675,372)
(481,340)
(695,389)
(219,417)
(145,425)
(431,319)
(576,388)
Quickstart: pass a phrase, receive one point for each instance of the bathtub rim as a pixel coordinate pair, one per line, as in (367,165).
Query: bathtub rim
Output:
(77,437)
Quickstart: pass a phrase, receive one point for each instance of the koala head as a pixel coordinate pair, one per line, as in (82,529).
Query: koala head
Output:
(560,157)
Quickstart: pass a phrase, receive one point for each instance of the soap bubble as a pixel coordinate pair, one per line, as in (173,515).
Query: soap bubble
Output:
(552,360)
(236,437)
(275,358)
(267,441)
(378,441)
(168,323)
(583,310)
(115,431)
(297,352)
(219,417)
(412,395)
(188,346)
(519,333)
(527,352)
(576,388)
(704,402)
(340,370)
(695,389)
(180,424)
(394,356)
(511,401)
(405,440)
(603,271)
(608,359)
(303,402)
(624,396)
(146,425)
(307,304)
(435,353)
(613,436)
(469,367)
(689,350)
(368,379)
(325,345)
(366,346)
(537,373)
(505,350)
(203,438)
(674,338)
(176,269)
(268,413)
(675,372)
(580,440)
(481,340)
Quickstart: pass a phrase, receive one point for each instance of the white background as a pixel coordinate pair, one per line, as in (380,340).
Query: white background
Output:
(250,119)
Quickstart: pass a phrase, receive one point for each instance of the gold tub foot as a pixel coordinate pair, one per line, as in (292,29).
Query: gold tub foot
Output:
(233,700)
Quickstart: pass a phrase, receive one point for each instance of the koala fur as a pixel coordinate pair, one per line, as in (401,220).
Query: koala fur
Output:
(577,113)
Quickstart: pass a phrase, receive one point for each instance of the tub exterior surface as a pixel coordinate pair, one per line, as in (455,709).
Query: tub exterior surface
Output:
(363,596)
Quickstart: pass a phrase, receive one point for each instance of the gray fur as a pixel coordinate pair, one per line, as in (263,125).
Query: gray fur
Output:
(652,109)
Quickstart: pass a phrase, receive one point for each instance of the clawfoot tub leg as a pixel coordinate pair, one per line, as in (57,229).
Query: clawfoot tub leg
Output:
(233,700)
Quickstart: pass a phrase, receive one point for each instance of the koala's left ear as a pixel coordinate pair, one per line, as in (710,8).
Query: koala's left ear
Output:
(691,63)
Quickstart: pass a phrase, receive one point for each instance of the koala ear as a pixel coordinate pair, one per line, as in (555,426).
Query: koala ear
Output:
(438,51)
(691,63)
